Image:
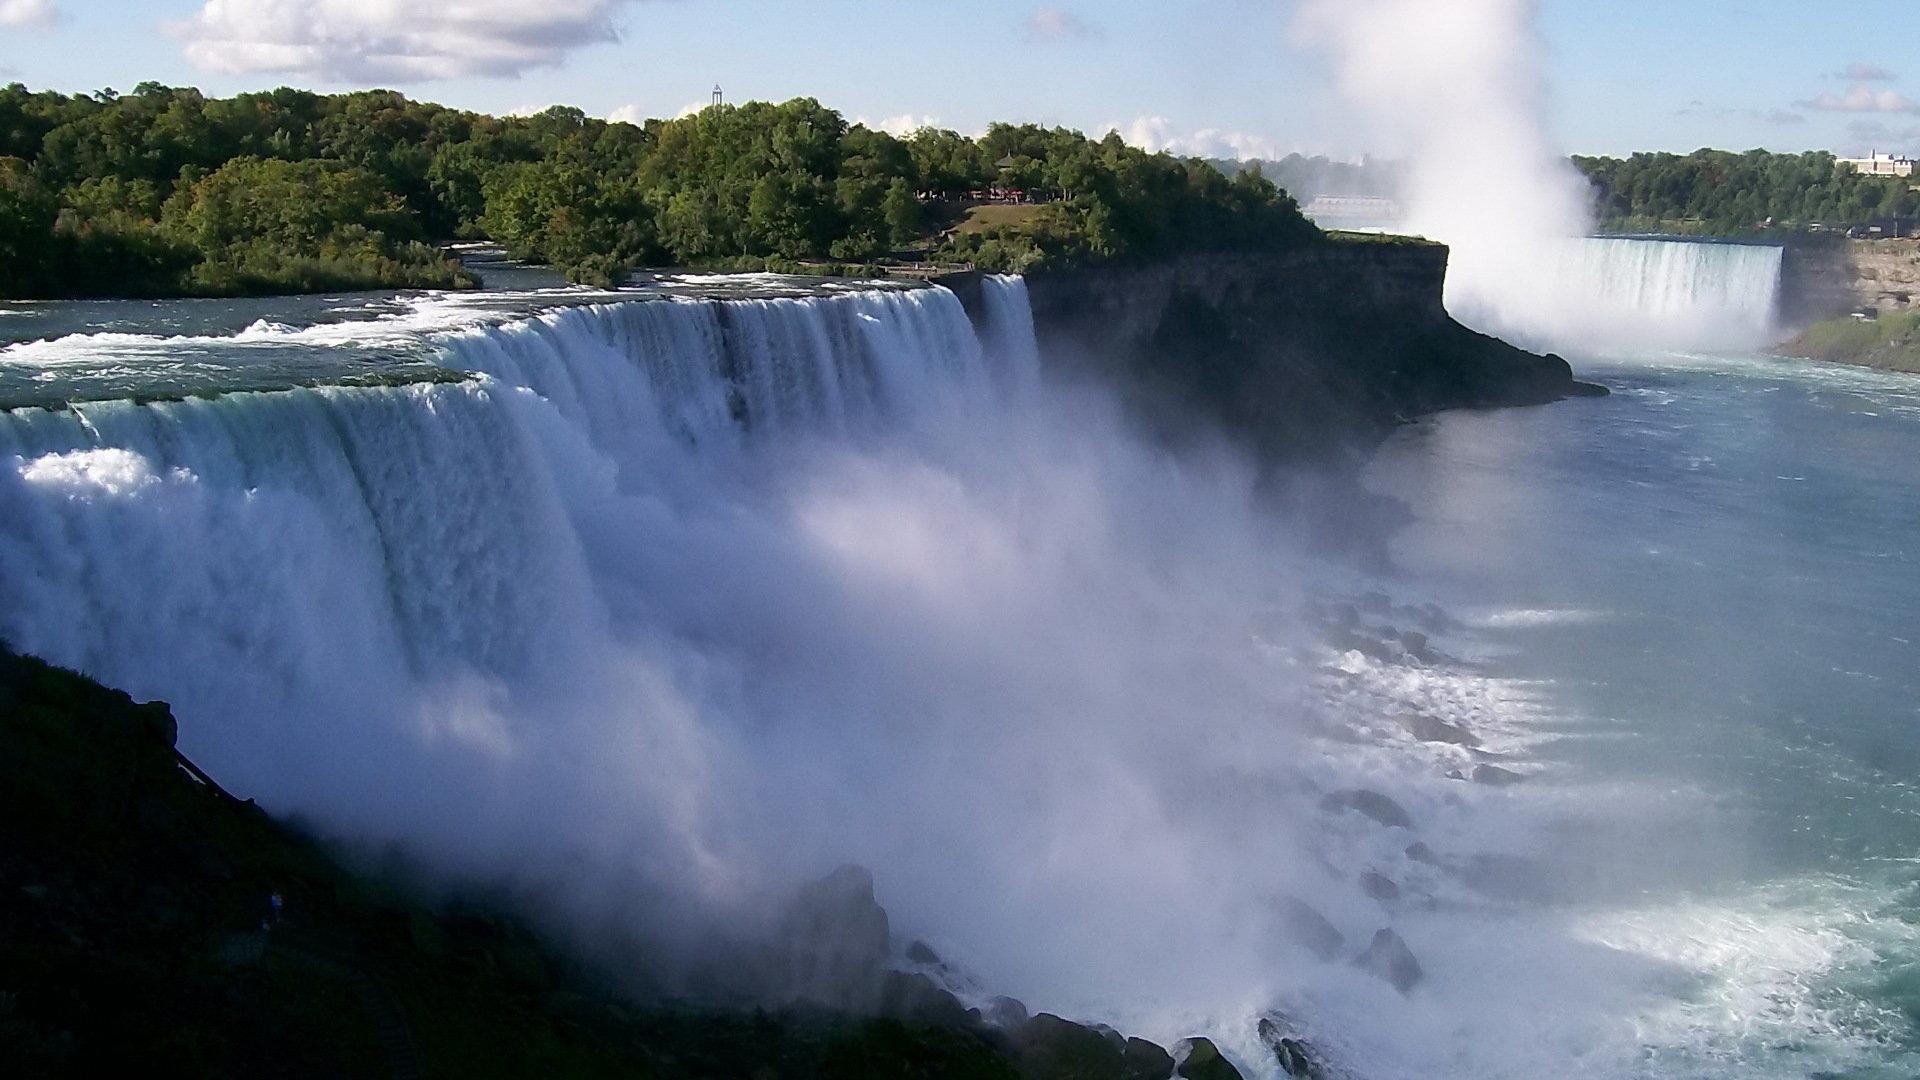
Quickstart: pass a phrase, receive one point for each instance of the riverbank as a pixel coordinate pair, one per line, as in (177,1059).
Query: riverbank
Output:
(1889,342)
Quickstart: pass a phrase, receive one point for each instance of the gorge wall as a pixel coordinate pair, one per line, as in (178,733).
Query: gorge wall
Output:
(1826,277)
(1303,354)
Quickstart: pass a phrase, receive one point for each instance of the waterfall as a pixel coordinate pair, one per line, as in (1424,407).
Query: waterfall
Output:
(341,551)
(1609,293)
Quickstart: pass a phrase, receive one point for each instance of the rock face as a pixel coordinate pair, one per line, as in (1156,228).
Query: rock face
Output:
(1303,354)
(1388,957)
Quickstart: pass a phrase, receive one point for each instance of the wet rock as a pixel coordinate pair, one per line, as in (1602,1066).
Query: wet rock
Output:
(1389,958)
(1049,1047)
(1297,1059)
(917,999)
(1432,729)
(1371,803)
(834,943)
(1005,1012)
(1199,1059)
(1418,646)
(158,719)
(1311,930)
(921,953)
(1142,1060)
(1495,776)
(1419,852)
(1379,886)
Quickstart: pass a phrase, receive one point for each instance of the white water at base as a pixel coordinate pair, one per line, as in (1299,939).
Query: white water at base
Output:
(681,602)
(1605,294)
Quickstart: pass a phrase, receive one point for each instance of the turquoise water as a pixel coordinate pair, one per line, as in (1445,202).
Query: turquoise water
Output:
(1713,577)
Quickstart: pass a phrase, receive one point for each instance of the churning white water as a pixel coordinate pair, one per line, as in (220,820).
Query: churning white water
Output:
(678,602)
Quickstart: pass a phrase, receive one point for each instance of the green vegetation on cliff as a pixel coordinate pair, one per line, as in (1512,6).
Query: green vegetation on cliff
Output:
(1718,192)
(165,190)
(1890,342)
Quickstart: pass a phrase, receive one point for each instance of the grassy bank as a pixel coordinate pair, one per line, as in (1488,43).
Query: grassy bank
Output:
(1889,343)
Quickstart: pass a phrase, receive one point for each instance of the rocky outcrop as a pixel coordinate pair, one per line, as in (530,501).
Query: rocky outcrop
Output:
(1303,354)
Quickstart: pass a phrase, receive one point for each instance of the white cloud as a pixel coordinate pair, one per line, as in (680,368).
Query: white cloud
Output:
(1056,24)
(399,40)
(1859,73)
(28,13)
(1157,133)
(900,126)
(1863,99)
(638,115)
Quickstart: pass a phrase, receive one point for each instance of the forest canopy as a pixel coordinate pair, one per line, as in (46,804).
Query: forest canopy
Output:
(1720,192)
(166,191)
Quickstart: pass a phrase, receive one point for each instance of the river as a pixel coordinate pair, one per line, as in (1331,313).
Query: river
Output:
(653,605)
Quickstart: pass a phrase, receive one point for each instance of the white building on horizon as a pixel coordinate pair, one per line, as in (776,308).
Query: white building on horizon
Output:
(1879,164)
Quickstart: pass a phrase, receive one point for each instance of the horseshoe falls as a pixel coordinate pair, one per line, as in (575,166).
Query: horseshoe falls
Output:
(1616,293)
(643,607)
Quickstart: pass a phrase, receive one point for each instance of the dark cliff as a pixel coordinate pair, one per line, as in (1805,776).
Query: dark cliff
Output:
(1302,353)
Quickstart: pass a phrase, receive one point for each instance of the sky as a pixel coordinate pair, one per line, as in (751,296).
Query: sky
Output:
(1221,77)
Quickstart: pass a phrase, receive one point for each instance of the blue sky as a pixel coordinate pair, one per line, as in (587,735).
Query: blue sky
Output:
(1203,77)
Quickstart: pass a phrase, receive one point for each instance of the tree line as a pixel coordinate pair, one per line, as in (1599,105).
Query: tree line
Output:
(1720,192)
(166,191)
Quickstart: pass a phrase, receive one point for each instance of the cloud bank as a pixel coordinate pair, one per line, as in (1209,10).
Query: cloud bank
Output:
(26,14)
(1157,133)
(1863,99)
(399,40)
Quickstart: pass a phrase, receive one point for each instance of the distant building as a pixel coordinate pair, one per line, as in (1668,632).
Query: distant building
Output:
(1879,164)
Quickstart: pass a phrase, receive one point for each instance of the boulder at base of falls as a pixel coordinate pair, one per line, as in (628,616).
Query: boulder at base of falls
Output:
(1379,886)
(1296,1058)
(1311,930)
(916,999)
(1199,1059)
(1372,804)
(1432,729)
(1006,1013)
(833,944)
(1049,1047)
(1142,1060)
(1390,959)
(1495,776)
